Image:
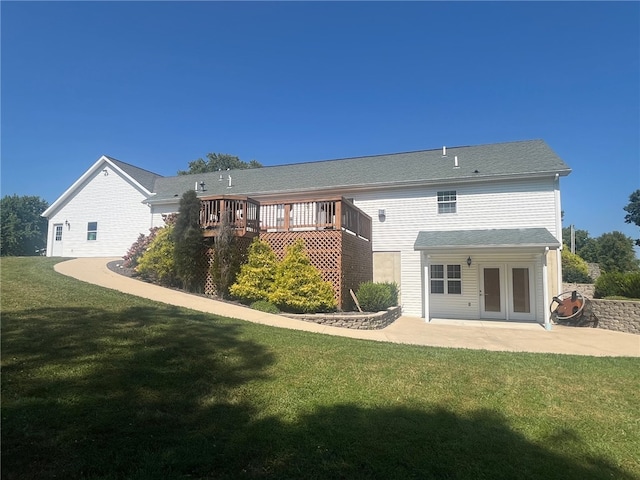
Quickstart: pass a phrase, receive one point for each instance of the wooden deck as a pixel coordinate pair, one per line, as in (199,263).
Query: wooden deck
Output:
(249,217)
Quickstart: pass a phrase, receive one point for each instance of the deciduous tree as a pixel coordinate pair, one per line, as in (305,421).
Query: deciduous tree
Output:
(218,161)
(23,230)
(615,253)
(633,211)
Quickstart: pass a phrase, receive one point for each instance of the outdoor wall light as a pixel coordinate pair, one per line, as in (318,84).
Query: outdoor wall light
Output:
(66,222)
(468,261)
(382,215)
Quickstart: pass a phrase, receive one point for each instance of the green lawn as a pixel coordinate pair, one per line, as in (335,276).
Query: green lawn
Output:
(99,384)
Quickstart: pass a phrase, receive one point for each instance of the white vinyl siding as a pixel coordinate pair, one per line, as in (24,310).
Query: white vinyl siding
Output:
(505,204)
(467,304)
(114,204)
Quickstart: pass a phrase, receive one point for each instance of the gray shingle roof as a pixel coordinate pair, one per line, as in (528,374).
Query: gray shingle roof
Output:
(143,177)
(515,237)
(483,162)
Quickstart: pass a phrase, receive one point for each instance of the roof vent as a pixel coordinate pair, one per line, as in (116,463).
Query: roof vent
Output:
(444,151)
(455,162)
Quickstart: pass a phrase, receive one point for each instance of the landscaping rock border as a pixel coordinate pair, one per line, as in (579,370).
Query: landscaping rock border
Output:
(354,320)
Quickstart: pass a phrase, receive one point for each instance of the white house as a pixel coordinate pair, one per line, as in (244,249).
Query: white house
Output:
(102,213)
(467,232)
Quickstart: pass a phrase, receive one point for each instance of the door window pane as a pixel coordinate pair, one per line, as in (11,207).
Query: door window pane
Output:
(492,299)
(58,233)
(521,296)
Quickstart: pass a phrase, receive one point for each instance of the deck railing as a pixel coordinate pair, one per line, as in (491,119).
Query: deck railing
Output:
(247,216)
(242,213)
(331,214)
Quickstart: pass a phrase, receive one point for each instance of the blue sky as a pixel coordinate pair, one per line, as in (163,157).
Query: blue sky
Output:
(160,84)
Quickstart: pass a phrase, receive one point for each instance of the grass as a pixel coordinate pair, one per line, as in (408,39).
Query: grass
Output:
(102,385)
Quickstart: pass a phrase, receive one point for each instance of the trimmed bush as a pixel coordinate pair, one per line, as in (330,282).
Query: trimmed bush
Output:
(157,263)
(574,268)
(264,306)
(374,297)
(298,285)
(256,277)
(143,242)
(616,284)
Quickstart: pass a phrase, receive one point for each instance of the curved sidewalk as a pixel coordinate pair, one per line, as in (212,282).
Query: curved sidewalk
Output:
(408,330)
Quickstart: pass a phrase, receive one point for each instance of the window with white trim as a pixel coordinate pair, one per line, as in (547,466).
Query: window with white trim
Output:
(446,280)
(92,231)
(58,233)
(447,201)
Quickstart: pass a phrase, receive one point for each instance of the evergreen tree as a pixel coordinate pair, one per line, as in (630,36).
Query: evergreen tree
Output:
(298,285)
(189,251)
(256,278)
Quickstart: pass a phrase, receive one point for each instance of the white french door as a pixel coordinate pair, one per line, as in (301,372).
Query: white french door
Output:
(507,292)
(520,281)
(492,294)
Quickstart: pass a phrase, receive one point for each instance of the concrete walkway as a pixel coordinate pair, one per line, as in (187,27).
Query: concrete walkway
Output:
(497,336)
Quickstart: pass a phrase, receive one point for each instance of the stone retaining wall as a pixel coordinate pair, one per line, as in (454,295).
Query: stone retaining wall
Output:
(584,289)
(618,315)
(357,321)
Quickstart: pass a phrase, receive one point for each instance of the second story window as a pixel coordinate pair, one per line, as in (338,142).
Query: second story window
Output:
(447,201)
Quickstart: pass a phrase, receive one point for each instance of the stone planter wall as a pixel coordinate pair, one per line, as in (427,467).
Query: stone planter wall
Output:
(618,315)
(358,321)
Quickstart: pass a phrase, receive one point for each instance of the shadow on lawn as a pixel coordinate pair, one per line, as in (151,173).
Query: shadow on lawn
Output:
(146,393)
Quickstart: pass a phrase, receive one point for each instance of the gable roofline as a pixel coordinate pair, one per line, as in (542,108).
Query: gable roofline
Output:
(116,165)
(142,177)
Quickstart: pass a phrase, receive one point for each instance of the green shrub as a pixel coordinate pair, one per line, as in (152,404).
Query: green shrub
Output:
(157,263)
(617,284)
(632,285)
(256,277)
(264,306)
(374,297)
(298,285)
(143,242)
(574,268)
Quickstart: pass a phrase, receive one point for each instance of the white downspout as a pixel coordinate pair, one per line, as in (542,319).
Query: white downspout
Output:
(558,232)
(545,290)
